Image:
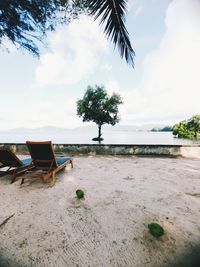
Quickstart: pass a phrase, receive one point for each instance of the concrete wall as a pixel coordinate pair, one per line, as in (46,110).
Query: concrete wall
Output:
(187,151)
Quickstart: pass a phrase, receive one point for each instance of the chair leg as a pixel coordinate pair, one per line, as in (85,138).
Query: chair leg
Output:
(22,181)
(13,178)
(46,176)
(71,162)
(53,180)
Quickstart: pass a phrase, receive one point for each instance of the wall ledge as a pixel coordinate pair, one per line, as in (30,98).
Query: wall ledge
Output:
(186,151)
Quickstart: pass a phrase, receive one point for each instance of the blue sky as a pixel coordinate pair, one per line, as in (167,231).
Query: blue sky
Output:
(163,87)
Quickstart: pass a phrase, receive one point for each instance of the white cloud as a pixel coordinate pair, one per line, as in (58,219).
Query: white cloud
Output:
(65,115)
(133,102)
(60,113)
(135,6)
(113,86)
(8,46)
(75,51)
(172,79)
(106,67)
(137,11)
(171,82)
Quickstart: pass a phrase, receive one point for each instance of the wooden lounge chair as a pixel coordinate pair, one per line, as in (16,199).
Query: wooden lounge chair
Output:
(13,165)
(45,162)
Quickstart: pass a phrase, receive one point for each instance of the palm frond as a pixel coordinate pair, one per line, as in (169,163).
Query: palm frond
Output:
(113,13)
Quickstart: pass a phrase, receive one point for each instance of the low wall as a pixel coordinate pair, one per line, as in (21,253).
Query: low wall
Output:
(187,151)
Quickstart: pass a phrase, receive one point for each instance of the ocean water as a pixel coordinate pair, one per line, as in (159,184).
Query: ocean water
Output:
(85,137)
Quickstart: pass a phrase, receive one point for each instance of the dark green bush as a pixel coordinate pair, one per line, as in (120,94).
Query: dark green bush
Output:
(156,229)
(188,128)
(80,193)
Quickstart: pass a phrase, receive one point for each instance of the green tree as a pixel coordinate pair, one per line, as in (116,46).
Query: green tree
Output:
(25,22)
(188,128)
(194,125)
(98,107)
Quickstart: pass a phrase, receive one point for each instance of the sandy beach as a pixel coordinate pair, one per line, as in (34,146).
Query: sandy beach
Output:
(51,227)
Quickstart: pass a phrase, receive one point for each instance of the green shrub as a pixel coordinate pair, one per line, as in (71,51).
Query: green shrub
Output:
(188,128)
(80,193)
(155,229)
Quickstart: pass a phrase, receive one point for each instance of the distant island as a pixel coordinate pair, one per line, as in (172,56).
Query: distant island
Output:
(164,129)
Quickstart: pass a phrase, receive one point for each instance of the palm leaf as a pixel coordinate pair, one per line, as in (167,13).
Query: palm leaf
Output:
(113,13)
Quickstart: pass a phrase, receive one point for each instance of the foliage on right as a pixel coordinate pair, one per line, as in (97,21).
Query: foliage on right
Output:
(188,128)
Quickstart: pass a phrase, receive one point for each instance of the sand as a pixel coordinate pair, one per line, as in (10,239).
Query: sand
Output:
(51,227)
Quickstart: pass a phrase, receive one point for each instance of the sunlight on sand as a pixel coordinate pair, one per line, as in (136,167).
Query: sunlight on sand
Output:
(109,227)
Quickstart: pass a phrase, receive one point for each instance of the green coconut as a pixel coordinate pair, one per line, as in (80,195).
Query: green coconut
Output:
(156,229)
(80,193)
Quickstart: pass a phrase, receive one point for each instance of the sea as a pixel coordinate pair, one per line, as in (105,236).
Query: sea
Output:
(85,137)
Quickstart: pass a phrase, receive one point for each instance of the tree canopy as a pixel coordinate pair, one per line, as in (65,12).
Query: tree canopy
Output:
(97,106)
(188,128)
(25,22)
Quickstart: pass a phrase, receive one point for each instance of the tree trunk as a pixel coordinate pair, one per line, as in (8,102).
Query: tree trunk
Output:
(99,133)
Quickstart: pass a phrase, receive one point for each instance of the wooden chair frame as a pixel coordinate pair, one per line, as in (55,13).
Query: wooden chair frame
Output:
(50,170)
(13,169)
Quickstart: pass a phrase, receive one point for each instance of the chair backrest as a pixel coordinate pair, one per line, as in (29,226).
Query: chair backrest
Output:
(8,158)
(42,154)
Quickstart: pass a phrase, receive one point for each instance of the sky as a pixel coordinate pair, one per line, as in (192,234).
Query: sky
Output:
(163,88)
